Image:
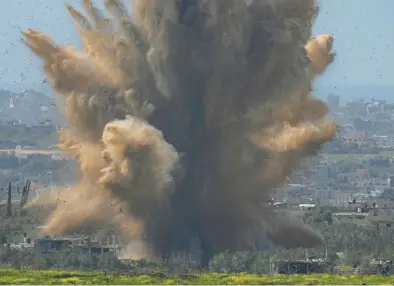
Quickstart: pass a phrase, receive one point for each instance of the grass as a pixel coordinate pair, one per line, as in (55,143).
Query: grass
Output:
(73,277)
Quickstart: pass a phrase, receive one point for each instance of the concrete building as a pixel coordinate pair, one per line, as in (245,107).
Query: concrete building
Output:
(358,218)
(55,244)
(360,138)
(381,216)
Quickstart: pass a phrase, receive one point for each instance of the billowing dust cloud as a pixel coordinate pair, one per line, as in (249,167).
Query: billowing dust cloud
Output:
(184,116)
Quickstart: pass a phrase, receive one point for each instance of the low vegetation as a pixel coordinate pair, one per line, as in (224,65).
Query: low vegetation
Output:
(65,277)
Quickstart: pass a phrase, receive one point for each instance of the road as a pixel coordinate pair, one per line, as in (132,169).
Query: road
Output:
(31,151)
(56,154)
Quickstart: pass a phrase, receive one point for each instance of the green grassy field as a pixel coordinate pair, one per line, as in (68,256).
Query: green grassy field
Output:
(64,277)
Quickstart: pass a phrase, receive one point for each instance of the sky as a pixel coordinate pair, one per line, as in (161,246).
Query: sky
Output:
(364,41)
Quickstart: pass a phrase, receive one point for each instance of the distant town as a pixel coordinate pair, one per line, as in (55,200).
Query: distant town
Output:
(354,176)
(348,186)
(353,173)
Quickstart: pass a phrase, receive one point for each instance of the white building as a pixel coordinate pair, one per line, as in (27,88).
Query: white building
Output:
(358,218)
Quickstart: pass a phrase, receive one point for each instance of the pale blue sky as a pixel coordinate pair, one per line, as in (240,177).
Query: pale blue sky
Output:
(364,40)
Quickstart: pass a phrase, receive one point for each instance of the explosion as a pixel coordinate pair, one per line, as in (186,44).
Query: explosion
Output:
(184,116)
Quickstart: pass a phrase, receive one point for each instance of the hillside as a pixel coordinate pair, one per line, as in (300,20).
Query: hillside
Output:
(28,106)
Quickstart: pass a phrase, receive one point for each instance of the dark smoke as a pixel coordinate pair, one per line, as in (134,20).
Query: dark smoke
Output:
(184,116)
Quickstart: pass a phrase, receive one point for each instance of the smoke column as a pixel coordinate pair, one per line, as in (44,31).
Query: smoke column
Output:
(184,116)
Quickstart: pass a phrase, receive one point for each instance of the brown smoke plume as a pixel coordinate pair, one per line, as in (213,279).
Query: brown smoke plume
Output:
(184,116)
